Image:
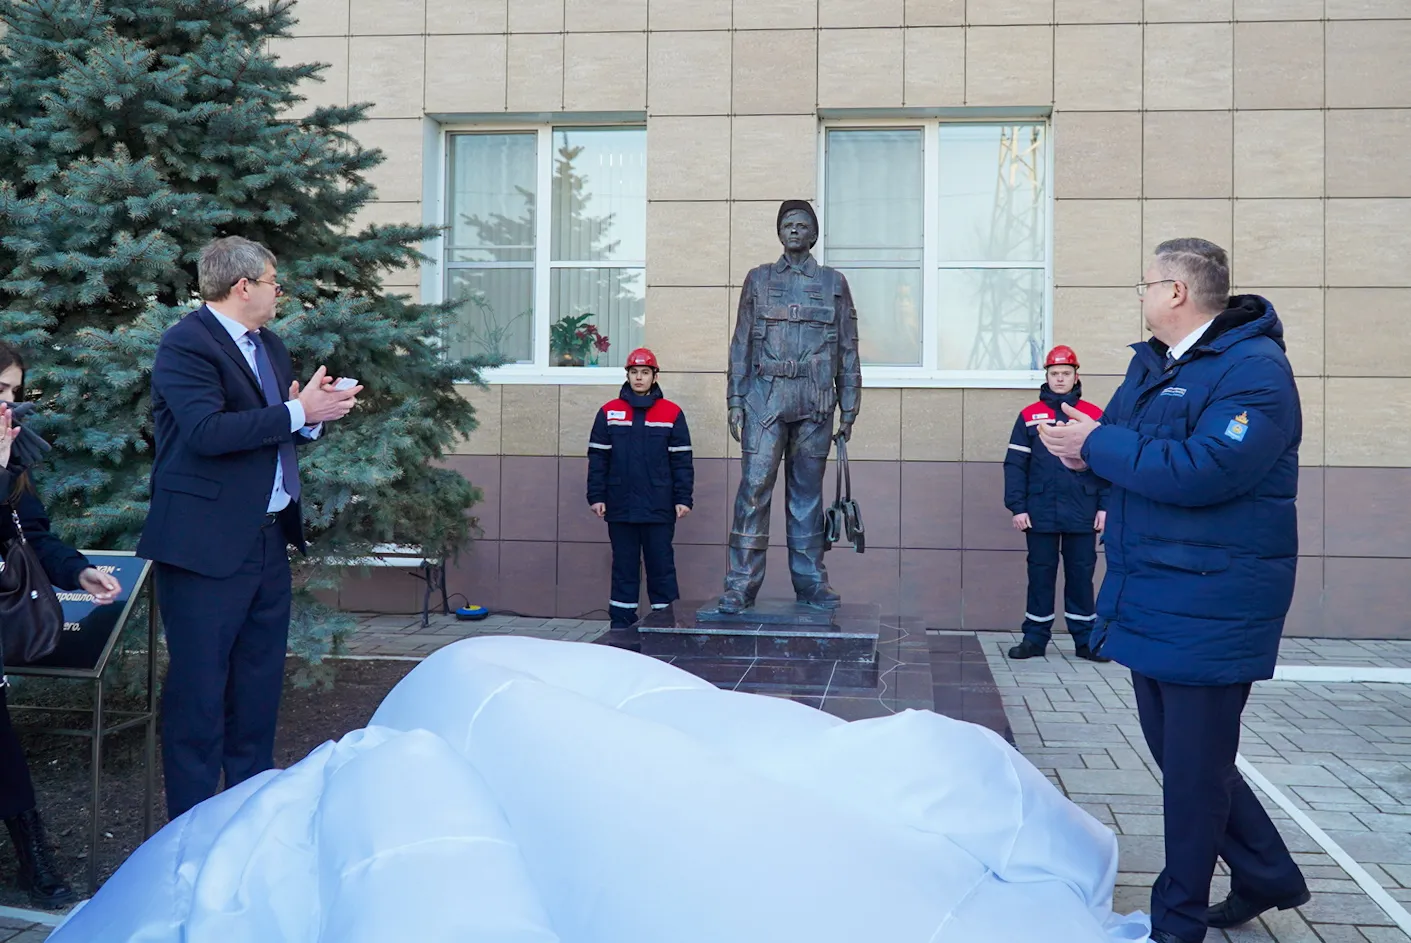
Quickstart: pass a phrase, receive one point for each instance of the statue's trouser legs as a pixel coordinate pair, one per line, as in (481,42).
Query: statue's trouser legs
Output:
(805,463)
(803,449)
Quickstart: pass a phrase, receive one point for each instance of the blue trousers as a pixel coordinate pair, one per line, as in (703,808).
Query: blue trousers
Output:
(1079,553)
(1193,732)
(227,640)
(636,547)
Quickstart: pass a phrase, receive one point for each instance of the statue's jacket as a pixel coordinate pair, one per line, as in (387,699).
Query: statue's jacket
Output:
(794,353)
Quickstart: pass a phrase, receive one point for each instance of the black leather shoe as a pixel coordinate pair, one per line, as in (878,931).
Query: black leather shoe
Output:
(1235,910)
(1027,649)
(1161,936)
(38,874)
(1082,651)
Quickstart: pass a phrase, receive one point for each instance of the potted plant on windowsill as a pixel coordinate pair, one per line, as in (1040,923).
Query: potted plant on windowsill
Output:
(575,343)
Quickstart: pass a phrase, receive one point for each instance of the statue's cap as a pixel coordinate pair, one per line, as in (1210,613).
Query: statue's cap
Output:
(788,205)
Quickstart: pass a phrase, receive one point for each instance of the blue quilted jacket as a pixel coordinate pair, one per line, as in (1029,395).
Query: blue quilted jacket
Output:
(1202,532)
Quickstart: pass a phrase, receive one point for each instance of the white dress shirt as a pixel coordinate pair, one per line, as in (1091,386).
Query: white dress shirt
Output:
(279,498)
(1178,350)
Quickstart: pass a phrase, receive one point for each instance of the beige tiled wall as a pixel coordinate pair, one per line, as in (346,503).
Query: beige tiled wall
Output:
(1279,128)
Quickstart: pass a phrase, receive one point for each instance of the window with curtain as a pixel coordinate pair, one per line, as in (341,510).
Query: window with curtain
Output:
(561,289)
(942,230)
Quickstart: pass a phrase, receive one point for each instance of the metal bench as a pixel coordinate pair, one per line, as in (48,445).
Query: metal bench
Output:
(432,571)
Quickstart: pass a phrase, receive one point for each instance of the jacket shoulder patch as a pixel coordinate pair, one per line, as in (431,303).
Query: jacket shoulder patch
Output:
(663,410)
(1036,412)
(1092,409)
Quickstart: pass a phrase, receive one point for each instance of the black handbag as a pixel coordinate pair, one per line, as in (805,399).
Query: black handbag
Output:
(843,519)
(31,617)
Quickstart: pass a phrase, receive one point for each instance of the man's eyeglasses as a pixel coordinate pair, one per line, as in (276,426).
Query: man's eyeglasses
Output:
(1143,286)
(278,288)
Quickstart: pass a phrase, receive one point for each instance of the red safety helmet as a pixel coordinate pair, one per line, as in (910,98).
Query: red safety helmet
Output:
(642,357)
(1061,356)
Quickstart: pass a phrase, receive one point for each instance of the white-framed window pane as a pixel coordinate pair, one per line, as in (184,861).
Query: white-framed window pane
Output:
(874,199)
(496,313)
(492,183)
(599,195)
(991,319)
(888,304)
(610,301)
(993,198)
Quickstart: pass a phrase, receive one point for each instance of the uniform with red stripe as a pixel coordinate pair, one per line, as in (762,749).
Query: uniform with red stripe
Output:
(640,478)
(1062,506)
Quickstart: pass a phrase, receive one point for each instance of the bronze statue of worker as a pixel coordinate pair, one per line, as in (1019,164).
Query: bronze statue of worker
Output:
(793,364)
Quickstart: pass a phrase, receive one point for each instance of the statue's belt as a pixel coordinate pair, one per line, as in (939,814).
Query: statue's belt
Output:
(792,369)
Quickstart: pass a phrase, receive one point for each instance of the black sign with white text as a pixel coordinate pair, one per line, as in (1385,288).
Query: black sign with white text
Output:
(88,626)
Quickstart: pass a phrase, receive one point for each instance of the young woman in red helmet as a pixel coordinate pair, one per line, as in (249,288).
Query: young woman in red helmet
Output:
(1060,511)
(640,480)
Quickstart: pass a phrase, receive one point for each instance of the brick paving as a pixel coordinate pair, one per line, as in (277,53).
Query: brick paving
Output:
(403,636)
(1341,752)
(20,931)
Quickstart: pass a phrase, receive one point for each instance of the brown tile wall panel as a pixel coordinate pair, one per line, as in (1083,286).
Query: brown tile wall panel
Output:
(776,575)
(930,587)
(1366,598)
(584,580)
(993,584)
(483,471)
(874,576)
(876,486)
(576,523)
(381,590)
(475,575)
(529,487)
(988,525)
(1368,512)
(1310,511)
(700,571)
(1306,616)
(931,505)
(708,522)
(528,571)
(1357,591)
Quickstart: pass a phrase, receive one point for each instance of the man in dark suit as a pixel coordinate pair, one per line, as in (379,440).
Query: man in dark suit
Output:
(225,507)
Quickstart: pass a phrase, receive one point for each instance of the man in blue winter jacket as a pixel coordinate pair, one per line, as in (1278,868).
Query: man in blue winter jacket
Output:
(1058,509)
(1200,444)
(640,479)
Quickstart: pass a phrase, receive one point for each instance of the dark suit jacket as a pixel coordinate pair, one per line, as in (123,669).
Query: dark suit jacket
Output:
(217,446)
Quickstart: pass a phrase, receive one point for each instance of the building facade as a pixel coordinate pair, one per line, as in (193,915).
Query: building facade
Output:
(990,175)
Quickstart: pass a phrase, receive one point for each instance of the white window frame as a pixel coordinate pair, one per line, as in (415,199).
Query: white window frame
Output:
(929,374)
(538,372)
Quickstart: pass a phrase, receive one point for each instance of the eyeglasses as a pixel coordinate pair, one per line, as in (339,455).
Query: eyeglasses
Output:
(1143,286)
(278,288)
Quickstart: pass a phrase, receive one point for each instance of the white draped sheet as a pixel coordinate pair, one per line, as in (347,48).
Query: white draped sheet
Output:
(520,790)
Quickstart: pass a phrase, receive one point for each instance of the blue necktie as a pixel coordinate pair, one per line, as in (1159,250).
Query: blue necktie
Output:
(270,386)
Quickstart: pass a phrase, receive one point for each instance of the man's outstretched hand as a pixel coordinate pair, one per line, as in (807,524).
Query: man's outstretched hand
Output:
(1065,440)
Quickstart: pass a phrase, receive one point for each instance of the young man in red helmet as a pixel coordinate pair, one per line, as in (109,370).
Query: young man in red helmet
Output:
(1060,511)
(640,480)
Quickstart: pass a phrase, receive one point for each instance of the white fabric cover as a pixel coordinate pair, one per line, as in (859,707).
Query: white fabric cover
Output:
(527,791)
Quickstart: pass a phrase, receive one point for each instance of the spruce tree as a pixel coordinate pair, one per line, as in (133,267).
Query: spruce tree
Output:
(131,134)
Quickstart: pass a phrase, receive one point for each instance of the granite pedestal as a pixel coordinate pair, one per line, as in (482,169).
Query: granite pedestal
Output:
(775,630)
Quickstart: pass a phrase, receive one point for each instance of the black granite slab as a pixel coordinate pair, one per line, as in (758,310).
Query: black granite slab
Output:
(770,612)
(912,669)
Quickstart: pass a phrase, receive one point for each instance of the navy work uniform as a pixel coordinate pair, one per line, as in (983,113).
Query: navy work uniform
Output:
(639,465)
(1062,505)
